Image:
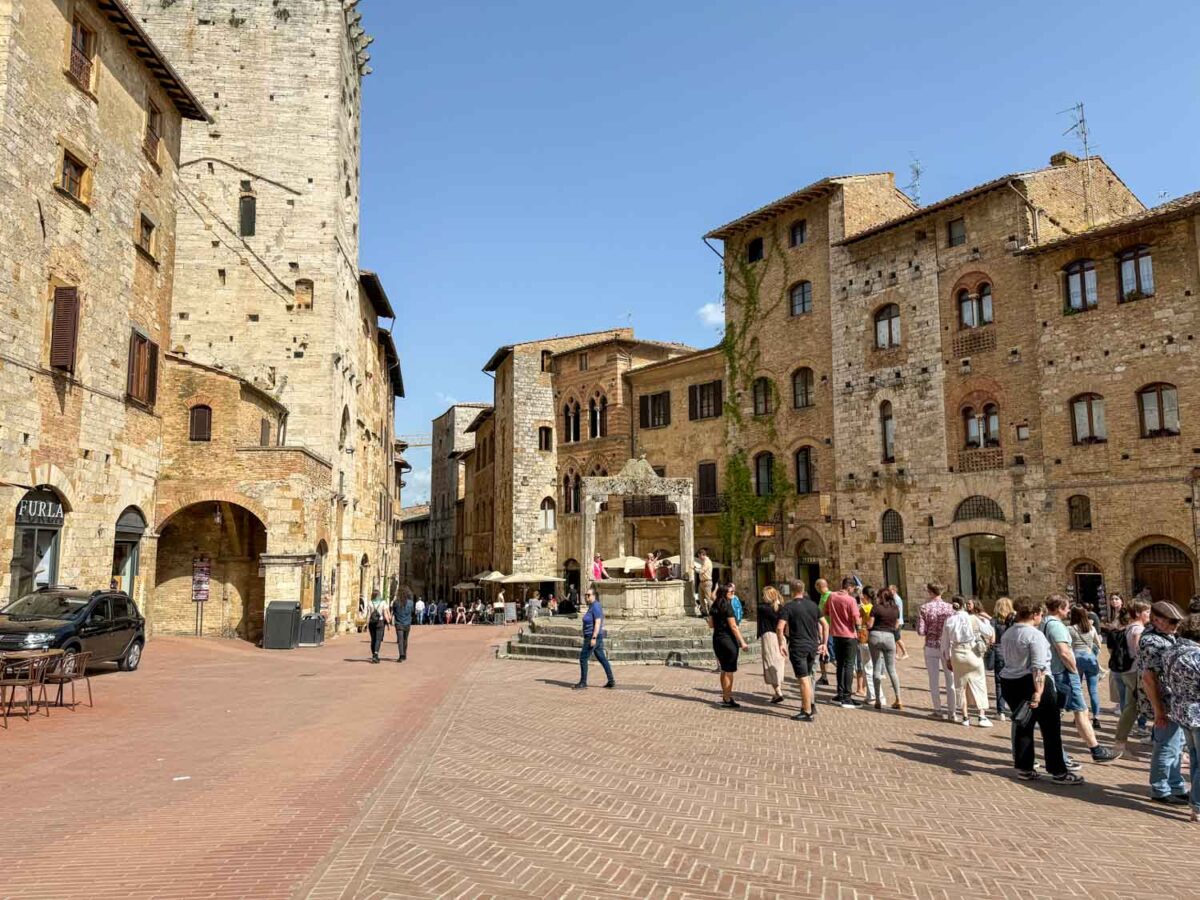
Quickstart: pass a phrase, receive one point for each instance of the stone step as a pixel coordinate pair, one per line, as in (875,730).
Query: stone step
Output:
(624,642)
(698,658)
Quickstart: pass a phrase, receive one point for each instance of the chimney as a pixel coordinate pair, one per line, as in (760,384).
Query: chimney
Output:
(1063,158)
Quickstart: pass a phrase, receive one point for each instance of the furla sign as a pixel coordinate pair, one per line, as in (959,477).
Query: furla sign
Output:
(40,507)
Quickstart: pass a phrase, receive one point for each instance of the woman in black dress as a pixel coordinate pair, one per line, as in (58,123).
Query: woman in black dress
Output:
(727,641)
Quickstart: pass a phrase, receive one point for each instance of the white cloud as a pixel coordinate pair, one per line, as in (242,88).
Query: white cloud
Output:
(416,486)
(712,315)
(446,398)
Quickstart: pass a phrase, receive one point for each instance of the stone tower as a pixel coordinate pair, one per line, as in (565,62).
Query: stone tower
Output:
(267,282)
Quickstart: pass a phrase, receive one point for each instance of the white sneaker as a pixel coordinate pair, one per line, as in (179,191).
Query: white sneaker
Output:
(1003,717)
(985,722)
(966,721)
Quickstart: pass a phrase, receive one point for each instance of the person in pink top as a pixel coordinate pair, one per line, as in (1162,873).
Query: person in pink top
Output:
(842,612)
(930,622)
(599,572)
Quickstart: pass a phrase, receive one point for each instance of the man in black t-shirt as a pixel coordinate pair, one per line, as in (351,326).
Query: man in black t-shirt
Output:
(801,624)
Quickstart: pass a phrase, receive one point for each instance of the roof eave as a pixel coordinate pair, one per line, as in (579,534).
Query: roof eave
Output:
(376,294)
(805,195)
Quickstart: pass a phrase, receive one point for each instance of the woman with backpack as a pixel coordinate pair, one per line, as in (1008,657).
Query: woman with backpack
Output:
(378,619)
(1121,659)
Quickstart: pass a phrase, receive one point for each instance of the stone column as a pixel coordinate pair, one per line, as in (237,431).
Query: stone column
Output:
(590,508)
(687,550)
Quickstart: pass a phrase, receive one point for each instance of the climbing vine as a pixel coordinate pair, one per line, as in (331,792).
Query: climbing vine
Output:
(747,304)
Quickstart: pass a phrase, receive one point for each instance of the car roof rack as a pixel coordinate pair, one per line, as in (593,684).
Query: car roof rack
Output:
(56,587)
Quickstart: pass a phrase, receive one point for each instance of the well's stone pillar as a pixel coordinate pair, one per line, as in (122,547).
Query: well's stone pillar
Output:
(687,545)
(590,507)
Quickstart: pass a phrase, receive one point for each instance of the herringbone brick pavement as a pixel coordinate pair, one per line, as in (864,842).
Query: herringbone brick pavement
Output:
(519,787)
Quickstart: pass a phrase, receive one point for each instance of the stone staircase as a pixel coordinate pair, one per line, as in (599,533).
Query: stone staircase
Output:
(672,642)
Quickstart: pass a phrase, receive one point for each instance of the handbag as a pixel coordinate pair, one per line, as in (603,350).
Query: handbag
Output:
(1024,714)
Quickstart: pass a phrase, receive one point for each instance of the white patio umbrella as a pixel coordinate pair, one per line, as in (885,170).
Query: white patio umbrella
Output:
(465,586)
(528,578)
(493,576)
(479,576)
(626,563)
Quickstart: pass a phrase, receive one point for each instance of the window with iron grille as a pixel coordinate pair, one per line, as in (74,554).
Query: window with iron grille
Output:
(1079,513)
(892,528)
(83,54)
(978,507)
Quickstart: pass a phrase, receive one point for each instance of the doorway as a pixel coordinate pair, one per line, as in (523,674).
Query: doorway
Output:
(982,566)
(893,572)
(764,567)
(1087,581)
(127,550)
(1166,571)
(319,576)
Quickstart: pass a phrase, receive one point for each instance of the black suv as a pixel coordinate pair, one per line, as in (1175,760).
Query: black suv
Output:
(105,622)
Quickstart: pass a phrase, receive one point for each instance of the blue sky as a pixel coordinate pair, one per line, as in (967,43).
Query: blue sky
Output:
(533,168)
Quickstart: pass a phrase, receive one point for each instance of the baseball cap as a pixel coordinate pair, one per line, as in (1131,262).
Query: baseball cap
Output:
(1167,611)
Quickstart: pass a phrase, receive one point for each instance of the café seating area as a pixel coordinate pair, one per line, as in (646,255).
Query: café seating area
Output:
(33,682)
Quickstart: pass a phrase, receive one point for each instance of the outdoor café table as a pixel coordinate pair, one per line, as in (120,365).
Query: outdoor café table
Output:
(17,656)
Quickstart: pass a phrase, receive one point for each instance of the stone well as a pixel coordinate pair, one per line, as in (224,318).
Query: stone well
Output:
(637,599)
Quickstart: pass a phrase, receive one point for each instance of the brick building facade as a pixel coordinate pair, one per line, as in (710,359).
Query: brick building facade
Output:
(90,119)
(990,391)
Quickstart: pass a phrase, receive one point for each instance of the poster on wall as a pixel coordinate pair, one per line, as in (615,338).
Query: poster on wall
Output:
(201,573)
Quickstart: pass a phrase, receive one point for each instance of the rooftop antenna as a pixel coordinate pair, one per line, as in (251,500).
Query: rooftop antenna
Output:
(913,188)
(1079,127)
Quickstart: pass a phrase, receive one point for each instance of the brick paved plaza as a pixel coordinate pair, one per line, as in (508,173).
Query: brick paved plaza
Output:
(220,770)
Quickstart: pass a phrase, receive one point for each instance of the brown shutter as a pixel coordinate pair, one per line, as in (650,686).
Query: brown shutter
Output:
(644,411)
(151,373)
(720,405)
(667,412)
(64,332)
(131,372)
(693,402)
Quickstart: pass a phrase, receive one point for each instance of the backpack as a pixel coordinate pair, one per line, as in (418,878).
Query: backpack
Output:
(375,615)
(1120,659)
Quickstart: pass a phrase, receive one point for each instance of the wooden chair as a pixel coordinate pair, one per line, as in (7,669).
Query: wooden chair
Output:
(68,669)
(26,675)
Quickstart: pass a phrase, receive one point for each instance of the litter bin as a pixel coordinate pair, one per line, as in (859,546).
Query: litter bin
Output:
(312,630)
(281,625)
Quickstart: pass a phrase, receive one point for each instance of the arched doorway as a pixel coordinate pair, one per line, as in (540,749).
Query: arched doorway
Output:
(571,573)
(764,566)
(206,577)
(1088,581)
(319,576)
(982,566)
(37,541)
(808,564)
(1166,571)
(127,543)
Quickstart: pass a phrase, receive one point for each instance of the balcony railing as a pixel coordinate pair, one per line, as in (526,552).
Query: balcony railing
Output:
(81,68)
(705,506)
(980,460)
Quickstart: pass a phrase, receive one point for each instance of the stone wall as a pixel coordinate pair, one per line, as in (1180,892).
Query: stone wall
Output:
(447,488)
(75,431)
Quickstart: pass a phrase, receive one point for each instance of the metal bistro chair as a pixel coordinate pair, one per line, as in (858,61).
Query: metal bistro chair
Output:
(28,675)
(69,669)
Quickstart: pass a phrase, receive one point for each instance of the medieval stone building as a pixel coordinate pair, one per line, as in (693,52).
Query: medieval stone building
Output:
(90,119)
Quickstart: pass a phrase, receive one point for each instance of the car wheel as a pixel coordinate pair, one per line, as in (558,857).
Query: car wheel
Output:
(133,656)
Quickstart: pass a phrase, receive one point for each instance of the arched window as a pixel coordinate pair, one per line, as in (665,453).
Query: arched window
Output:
(1158,410)
(991,425)
(754,250)
(806,472)
(761,392)
(603,417)
(764,474)
(887,327)
(1087,419)
(975,309)
(200,423)
(802,388)
(547,514)
(571,422)
(887,431)
(1081,285)
(892,528)
(1137,273)
(344,431)
(567,424)
(800,296)
(304,294)
(545,440)
(1079,513)
(971,438)
(571,493)
(978,507)
(593,418)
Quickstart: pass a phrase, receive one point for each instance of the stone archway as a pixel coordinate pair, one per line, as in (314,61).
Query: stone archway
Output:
(207,578)
(1164,568)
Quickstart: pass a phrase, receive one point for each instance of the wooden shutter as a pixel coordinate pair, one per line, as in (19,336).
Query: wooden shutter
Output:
(708,479)
(64,331)
(151,373)
(719,406)
(200,423)
(666,395)
(264,433)
(644,411)
(693,402)
(131,371)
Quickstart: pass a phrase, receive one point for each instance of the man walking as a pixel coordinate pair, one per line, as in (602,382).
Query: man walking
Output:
(1166,759)
(800,623)
(821,586)
(420,611)
(844,619)
(402,619)
(1066,676)
(931,619)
